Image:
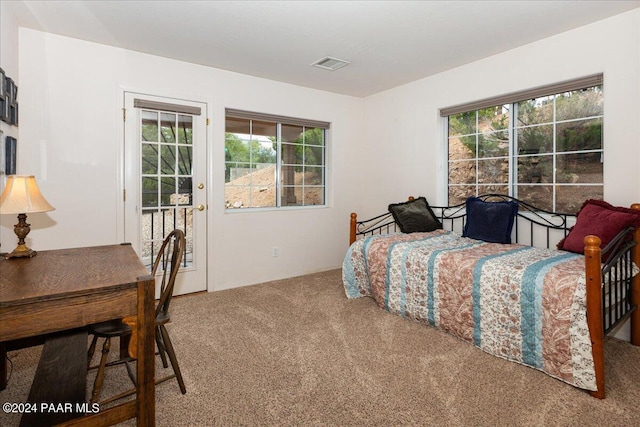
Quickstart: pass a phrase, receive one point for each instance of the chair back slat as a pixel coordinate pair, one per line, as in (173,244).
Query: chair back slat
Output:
(169,257)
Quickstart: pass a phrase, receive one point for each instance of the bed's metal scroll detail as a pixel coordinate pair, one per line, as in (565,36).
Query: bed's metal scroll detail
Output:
(617,276)
(529,220)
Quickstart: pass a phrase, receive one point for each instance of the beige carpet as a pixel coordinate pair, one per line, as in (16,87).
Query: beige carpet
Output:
(296,352)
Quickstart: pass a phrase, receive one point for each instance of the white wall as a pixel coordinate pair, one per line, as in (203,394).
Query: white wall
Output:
(9,64)
(408,151)
(406,134)
(8,45)
(70,139)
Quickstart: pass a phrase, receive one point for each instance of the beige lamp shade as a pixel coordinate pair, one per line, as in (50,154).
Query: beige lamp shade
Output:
(22,195)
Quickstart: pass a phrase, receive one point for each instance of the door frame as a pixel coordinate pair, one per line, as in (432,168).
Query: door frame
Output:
(121,166)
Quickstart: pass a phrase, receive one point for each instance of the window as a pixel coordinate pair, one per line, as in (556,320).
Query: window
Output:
(273,161)
(546,150)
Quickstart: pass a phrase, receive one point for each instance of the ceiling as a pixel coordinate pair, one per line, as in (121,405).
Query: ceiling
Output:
(388,43)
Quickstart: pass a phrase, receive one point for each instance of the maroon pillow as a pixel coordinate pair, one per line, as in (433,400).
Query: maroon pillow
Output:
(601,219)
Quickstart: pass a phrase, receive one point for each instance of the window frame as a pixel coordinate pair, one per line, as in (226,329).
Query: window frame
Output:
(279,122)
(514,132)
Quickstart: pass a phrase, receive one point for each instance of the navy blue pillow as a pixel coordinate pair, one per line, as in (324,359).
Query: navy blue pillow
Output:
(490,221)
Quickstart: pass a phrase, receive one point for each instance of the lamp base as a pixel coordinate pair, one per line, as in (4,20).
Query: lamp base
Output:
(21,251)
(21,229)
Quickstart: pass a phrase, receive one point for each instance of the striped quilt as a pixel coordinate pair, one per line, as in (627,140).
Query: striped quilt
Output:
(520,303)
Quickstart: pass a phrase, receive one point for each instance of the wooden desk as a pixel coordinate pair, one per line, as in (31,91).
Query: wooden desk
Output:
(70,288)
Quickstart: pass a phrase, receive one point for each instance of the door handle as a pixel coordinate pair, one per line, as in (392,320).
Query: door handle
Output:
(200,207)
(201,186)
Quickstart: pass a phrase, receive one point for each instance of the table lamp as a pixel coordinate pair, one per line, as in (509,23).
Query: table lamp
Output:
(21,196)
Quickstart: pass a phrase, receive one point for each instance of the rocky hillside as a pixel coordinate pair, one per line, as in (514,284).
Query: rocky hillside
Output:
(258,189)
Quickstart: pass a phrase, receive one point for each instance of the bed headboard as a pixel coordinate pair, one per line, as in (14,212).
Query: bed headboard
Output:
(533,226)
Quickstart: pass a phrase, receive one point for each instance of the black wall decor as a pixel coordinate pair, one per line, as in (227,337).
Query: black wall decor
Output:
(3,76)
(11,151)
(8,99)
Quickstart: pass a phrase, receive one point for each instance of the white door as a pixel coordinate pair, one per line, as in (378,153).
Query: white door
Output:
(164,173)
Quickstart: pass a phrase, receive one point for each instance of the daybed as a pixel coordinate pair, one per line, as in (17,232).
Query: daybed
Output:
(455,268)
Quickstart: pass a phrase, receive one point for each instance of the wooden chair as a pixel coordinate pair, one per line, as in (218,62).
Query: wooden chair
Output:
(169,258)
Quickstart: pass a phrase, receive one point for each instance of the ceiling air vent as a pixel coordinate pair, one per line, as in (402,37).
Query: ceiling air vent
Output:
(329,63)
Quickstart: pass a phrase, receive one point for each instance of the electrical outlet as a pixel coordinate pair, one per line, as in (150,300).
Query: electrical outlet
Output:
(276,251)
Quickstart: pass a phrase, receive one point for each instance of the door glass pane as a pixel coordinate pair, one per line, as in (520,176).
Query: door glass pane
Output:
(168,194)
(185,191)
(168,127)
(166,180)
(149,158)
(151,221)
(185,129)
(185,154)
(150,126)
(148,251)
(187,259)
(167,159)
(183,219)
(149,192)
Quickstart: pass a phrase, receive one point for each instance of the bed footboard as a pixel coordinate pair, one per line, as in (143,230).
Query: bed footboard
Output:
(592,257)
(635,288)
(613,292)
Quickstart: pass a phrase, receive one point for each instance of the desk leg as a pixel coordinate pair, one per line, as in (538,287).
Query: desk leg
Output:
(146,352)
(124,346)
(60,380)
(3,365)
